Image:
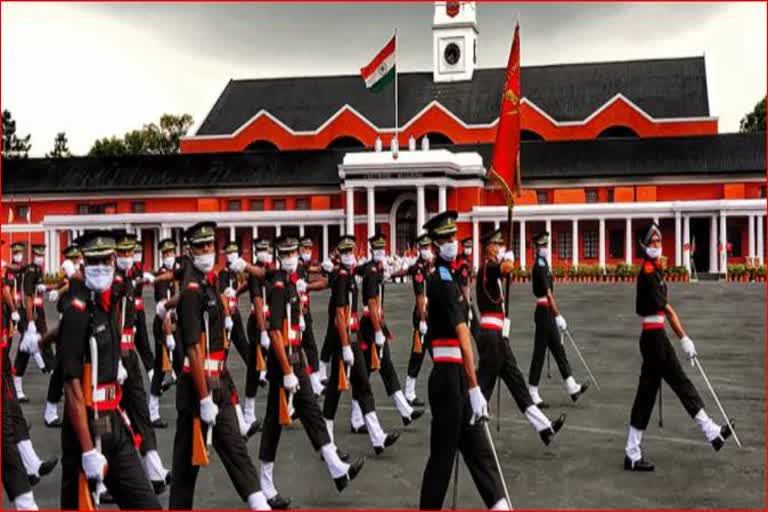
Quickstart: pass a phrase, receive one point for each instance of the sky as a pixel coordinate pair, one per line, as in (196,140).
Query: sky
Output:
(100,69)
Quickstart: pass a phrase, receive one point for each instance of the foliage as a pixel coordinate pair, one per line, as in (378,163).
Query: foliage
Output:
(153,139)
(755,120)
(60,147)
(13,145)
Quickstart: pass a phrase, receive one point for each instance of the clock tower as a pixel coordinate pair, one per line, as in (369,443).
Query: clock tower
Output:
(454,41)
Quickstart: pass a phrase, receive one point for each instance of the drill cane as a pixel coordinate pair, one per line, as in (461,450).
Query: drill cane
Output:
(717,400)
(206,318)
(94,386)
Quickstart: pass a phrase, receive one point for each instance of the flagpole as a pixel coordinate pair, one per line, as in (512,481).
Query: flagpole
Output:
(396,123)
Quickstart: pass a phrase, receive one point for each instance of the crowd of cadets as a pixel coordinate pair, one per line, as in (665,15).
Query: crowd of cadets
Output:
(98,356)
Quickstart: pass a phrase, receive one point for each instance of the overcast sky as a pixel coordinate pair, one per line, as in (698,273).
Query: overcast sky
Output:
(95,70)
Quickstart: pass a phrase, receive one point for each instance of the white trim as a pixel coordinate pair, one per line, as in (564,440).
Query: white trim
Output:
(21,228)
(682,179)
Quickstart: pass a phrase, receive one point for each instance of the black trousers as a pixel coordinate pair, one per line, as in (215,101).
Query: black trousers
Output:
(230,448)
(141,340)
(55,384)
(238,337)
(134,402)
(309,344)
(547,336)
(497,360)
(254,344)
(14,475)
(358,378)
(416,358)
(125,479)
(451,431)
(387,369)
(22,358)
(303,403)
(326,351)
(156,385)
(661,362)
(12,409)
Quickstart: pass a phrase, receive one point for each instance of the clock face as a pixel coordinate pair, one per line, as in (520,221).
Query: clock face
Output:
(452,54)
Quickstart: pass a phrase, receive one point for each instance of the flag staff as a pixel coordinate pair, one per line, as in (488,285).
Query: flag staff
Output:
(396,123)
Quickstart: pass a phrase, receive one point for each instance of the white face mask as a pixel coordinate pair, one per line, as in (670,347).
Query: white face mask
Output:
(169,261)
(544,253)
(449,250)
(137,257)
(500,252)
(348,259)
(426,254)
(39,261)
(379,255)
(306,257)
(653,253)
(99,277)
(204,262)
(263,257)
(290,263)
(124,263)
(18,257)
(232,257)
(468,251)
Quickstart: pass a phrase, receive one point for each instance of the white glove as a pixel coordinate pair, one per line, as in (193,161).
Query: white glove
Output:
(160,310)
(41,288)
(423,327)
(291,382)
(479,405)
(302,323)
(31,327)
(122,374)
(327,265)
(94,465)
(30,342)
(230,293)
(265,341)
(151,374)
(170,342)
(301,286)
(379,338)
(53,295)
(348,355)
(208,410)
(68,268)
(228,323)
(15,317)
(362,260)
(688,347)
(508,256)
(238,265)
(560,322)
(148,277)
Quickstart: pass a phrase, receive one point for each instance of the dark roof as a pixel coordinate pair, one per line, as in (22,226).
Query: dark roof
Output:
(734,153)
(664,88)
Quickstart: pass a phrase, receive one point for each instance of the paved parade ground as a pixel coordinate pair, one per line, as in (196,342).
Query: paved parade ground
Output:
(582,468)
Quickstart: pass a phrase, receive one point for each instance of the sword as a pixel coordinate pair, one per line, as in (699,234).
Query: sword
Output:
(717,400)
(209,432)
(578,352)
(496,459)
(94,386)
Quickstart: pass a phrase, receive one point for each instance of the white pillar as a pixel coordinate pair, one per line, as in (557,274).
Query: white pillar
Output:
(420,212)
(751,238)
(232,234)
(496,224)
(687,243)
(350,212)
(371,204)
(575,246)
(156,249)
(475,243)
(601,241)
(678,238)
(760,246)
(325,241)
(522,243)
(723,245)
(278,230)
(713,244)
(548,229)
(301,229)
(628,241)
(255,231)
(442,199)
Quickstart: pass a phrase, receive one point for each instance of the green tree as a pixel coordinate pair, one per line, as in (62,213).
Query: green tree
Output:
(13,145)
(108,146)
(152,139)
(60,147)
(755,120)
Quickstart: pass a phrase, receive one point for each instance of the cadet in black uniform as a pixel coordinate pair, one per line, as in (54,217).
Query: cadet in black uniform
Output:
(102,448)
(342,322)
(455,399)
(288,370)
(419,272)
(465,275)
(496,358)
(659,358)
(309,267)
(549,326)
(205,388)
(375,335)
(141,335)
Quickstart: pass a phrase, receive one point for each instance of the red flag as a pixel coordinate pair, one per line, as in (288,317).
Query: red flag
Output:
(505,164)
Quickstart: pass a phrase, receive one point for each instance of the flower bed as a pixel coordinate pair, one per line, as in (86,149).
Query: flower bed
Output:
(739,272)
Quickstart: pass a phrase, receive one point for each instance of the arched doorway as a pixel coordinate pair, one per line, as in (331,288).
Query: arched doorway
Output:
(405,225)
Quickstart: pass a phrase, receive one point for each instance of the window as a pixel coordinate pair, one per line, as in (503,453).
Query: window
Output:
(257,204)
(233,205)
(616,243)
(96,209)
(302,203)
(610,195)
(564,245)
(591,196)
(516,247)
(542,197)
(82,209)
(278,204)
(762,192)
(734,241)
(22,212)
(590,244)
(138,207)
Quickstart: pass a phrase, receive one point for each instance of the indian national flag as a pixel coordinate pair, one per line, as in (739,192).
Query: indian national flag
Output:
(381,70)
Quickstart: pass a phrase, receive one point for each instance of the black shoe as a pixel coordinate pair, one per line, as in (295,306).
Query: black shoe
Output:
(343,456)
(416,402)
(391,439)
(159,423)
(640,465)
(725,433)
(255,427)
(168,383)
(23,399)
(416,414)
(159,486)
(548,435)
(542,405)
(358,430)
(106,498)
(57,423)
(45,468)
(354,469)
(277,502)
(583,389)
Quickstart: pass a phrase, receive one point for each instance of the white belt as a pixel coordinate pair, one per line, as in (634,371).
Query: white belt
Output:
(491,321)
(209,365)
(654,319)
(100,394)
(543,301)
(447,355)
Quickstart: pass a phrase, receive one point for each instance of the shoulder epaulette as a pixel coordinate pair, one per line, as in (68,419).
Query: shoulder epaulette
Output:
(445,274)
(193,285)
(342,272)
(118,279)
(78,304)
(648,267)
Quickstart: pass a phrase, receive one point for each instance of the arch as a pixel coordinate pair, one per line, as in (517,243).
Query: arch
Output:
(262,145)
(435,139)
(530,135)
(617,132)
(401,200)
(345,142)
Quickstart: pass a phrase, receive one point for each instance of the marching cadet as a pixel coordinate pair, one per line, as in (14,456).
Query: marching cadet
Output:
(204,390)
(659,358)
(550,325)
(455,399)
(134,398)
(419,271)
(496,358)
(375,335)
(141,335)
(287,376)
(307,267)
(94,437)
(347,359)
